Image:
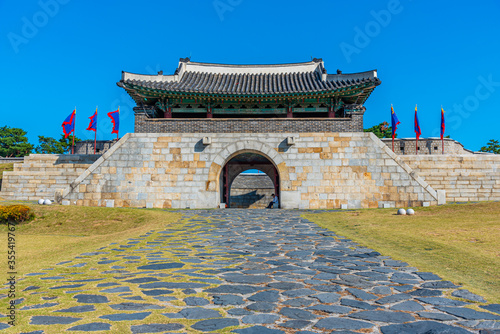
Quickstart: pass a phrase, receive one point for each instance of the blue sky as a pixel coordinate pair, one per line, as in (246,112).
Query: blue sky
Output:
(58,54)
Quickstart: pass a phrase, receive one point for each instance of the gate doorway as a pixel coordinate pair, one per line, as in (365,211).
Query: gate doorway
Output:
(261,184)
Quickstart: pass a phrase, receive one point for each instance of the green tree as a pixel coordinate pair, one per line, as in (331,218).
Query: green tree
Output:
(13,142)
(493,146)
(48,145)
(383,130)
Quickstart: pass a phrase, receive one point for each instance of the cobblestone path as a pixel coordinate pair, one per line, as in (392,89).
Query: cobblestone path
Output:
(243,271)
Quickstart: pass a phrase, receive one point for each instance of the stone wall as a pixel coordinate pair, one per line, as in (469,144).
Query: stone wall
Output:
(143,124)
(473,177)
(322,170)
(41,175)
(251,191)
(432,146)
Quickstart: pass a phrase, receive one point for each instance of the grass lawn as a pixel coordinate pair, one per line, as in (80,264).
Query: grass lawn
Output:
(459,242)
(60,233)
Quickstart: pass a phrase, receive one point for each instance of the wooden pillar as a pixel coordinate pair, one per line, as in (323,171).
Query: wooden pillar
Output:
(289,113)
(331,109)
(209,110)
(167,111)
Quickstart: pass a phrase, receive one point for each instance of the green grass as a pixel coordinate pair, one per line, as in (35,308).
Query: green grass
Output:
(458,242)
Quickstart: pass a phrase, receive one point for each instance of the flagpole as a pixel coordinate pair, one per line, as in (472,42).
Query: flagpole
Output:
(95,132)
(416,135)
(442,136)
(392,131)
(74,126)
(117,132)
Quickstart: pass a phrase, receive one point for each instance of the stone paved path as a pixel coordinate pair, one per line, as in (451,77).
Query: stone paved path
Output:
(243,271)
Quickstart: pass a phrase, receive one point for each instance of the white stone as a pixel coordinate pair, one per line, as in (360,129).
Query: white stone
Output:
(410,212)
(343,206)
(65,202)
(401,212)
(149,205)
(47,202)
(441,197)
(40,201)
(426,204)
(110,203)
(222,205)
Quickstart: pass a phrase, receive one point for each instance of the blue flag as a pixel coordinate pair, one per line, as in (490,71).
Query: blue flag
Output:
(115,119)
(442,123)
(93,122)
(69,124)
(417,126)
(394,122)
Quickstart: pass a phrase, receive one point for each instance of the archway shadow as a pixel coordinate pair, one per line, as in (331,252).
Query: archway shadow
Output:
(245,201)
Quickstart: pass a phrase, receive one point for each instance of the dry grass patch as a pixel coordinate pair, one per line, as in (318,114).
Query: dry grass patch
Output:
(458,242)
(5,168)
(59,233)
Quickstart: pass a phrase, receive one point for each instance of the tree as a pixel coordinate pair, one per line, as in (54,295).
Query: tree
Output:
(48,145)
(493,146)
(383,130)
(13,142)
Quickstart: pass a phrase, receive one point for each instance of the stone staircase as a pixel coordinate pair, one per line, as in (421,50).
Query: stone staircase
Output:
(40,175)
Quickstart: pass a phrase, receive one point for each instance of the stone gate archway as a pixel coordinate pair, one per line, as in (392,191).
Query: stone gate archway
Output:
(240,163)
(213,184)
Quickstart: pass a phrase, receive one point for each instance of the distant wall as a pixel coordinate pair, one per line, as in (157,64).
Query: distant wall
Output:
(473,177)
(251,191)
(10,160)
(427,146)
(87,146)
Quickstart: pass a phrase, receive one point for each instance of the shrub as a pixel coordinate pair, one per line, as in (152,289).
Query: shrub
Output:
(15,213)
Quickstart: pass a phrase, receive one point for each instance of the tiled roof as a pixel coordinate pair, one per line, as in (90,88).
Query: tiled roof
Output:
(203,78)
